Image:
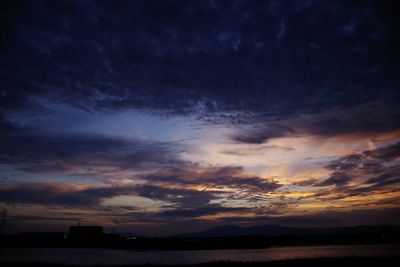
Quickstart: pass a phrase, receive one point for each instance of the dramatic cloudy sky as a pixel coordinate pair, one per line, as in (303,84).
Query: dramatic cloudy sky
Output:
(162,117)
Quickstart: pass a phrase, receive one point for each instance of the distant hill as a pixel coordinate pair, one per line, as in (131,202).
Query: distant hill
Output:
(277,230)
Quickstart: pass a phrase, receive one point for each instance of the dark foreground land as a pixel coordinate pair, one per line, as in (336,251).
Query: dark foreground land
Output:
(181,243)
(223,237)
(326,262)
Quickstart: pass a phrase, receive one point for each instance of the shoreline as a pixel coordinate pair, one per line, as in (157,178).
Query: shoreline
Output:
(205,248)
(325,261)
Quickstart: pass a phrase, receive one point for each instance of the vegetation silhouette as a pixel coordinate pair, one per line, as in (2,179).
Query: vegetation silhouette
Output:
(94,237)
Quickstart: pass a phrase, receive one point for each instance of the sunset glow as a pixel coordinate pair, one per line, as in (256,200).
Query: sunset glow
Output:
(164,119)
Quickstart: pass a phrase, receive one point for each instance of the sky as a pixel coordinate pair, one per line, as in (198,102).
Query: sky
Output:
(164,117)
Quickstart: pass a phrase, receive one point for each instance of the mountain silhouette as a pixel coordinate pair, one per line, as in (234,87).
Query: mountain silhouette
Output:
(277,230)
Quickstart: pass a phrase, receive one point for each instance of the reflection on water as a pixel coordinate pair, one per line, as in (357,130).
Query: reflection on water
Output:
(108,256)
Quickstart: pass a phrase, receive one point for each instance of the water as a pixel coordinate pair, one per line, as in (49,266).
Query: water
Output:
(88,256)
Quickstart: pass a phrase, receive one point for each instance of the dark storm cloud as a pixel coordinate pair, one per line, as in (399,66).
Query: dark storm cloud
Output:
(369,161)
(59,194)
(35,151)
(193,210)
(175,190)
(259,136)
(254,150)
(188,213)
(385,154)
(283,220)
(380,202)
(350,191)
(185,202)
(215,177)
(370,171)
(308,182)
(183,198)
(368,120)
(42,218)
(343,192)
(336,178)
(247,183)
(371,166)
(272,57)
(346,163)
(328,218)
(222,183)
(69,195)
(53,194)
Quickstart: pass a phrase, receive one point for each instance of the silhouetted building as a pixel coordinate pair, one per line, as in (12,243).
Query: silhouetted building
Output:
(85,232)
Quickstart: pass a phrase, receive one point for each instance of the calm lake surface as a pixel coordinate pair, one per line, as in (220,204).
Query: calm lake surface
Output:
(88,256)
